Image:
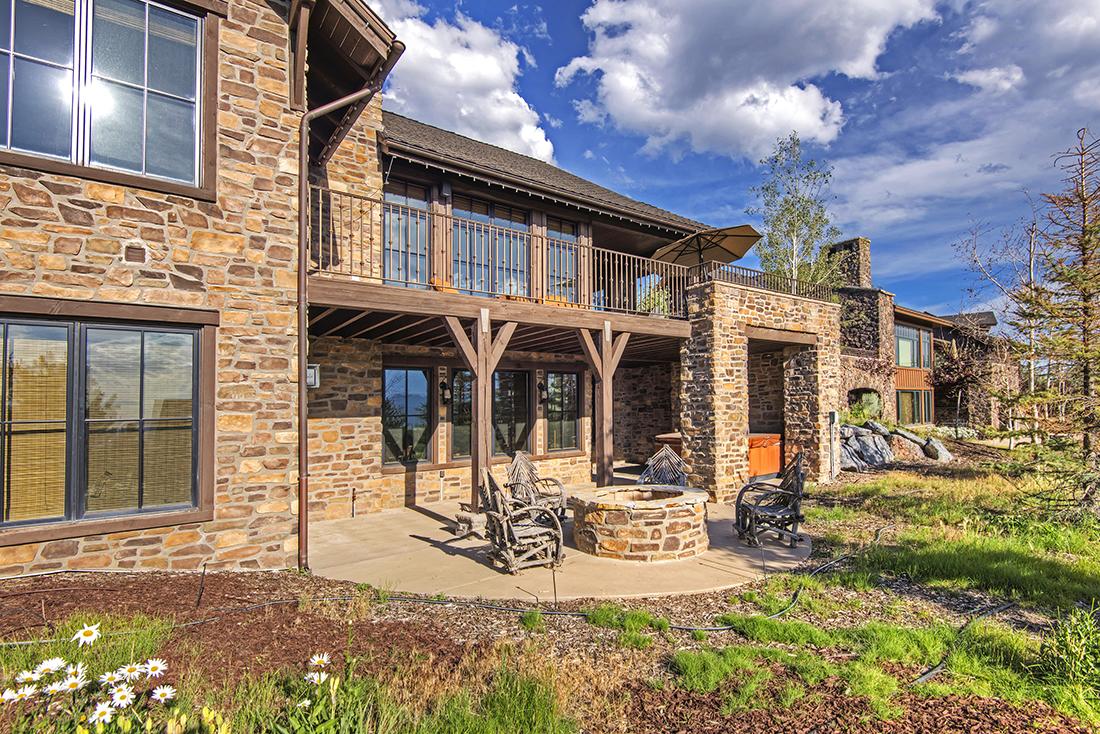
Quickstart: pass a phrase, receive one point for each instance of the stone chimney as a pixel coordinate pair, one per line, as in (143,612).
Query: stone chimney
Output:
(855,266)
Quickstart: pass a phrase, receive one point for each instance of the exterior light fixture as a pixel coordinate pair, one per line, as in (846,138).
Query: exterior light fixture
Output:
(444,392)
(544,396)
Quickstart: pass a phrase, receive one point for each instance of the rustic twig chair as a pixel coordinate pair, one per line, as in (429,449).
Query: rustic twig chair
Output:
(664,467)
(528,487)
(520,535)
(772,507)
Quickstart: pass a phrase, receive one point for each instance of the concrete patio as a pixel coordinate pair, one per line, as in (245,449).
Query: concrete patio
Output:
(412,549)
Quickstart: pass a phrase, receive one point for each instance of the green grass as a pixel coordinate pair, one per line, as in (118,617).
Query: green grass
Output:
(533,621)
(631,623)
(988,660)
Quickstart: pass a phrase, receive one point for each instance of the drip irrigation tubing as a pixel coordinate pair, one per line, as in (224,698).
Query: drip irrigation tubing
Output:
(942,664)
(463,603)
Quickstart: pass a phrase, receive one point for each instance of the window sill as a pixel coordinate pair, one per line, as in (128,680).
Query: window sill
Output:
(102,526)
(118,178)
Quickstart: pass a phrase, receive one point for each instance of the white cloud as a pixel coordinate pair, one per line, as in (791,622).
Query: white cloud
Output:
(974,155)
(995,80)
(462,76)
(729,77)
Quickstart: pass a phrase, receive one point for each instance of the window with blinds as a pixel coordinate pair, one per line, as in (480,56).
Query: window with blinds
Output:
(96,419)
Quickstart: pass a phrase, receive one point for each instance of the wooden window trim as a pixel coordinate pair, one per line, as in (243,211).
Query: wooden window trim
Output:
(204,510)
(211,11)
(433,416)
(576,420)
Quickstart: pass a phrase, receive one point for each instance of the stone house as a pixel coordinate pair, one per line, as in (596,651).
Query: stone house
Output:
(889,353)
(192,268)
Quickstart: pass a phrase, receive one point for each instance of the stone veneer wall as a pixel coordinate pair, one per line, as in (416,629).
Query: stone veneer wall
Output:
(867,339)
(345,434)
(714,381)
(67,237)
(643,409)
(765,387)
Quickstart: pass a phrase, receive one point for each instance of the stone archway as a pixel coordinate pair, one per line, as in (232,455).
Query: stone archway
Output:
(867,401)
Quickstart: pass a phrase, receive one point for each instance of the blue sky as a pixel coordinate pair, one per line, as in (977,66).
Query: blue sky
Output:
(935,115)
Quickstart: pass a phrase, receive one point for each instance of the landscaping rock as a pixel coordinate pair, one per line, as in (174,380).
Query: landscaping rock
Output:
(909,435)
(846,431)
(872,449)
(934,449)
(876,427)
(849,459)
(905,449)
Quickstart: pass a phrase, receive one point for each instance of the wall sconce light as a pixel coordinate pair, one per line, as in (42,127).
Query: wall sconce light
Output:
(544,396)
(444,392)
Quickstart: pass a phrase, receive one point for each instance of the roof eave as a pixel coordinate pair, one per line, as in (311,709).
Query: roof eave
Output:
(450,164)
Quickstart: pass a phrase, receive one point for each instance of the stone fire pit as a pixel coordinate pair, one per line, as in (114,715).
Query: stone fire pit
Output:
(643,523)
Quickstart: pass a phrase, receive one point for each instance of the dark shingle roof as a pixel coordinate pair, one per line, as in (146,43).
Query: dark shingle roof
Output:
(438,144)
(976,319)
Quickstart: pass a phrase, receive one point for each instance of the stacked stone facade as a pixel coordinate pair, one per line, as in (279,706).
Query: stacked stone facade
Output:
(715,409)
(867,340)
(766,370)
(347,476)
(71,238)
(643,409)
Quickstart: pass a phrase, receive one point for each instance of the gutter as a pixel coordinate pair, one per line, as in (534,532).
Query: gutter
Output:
(364,95)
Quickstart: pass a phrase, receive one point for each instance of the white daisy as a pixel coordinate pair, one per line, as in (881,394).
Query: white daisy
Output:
(122,696)
(131,671)
(319,661)
(317,677)
(164,694)
(155,667)
(52,665)
(304,703)
(55,688)
(74,683)
(25,692)
(110,678)
(102,713)
(77,670)
(87,635)
(9,695)
(28,676)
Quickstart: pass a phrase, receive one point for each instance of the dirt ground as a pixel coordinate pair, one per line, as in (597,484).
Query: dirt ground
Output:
(258,622)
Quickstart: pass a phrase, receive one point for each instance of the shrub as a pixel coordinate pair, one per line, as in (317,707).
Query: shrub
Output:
(532,620)
(1070,651)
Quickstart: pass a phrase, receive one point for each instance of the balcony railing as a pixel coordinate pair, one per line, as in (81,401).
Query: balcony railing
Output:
(738,275)
(415,247)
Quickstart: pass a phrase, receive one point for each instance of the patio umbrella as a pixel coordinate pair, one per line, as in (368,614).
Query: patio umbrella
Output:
(722,245)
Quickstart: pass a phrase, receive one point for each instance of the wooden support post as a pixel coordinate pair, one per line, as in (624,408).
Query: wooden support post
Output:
(604,360)
(481,353)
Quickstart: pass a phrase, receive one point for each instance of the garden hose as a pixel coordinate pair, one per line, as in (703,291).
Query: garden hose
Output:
(942,664)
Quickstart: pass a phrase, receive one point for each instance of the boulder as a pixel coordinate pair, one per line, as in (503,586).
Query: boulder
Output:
(909,435)
(872,449)
(846,431)
(876,427)
(934,449)
(849,459)
(905,449)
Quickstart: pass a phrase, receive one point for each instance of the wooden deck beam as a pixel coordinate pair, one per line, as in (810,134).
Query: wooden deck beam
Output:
(604,360)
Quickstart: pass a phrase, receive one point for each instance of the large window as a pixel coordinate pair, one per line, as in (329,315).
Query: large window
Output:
(490,248)
(914,406)
(562,402)
(511,412)
(405,234)
(561,260)
(111,84)
(96,419)
(406,416)
(914,346)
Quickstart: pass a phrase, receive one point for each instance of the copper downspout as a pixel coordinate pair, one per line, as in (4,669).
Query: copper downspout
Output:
(365,93)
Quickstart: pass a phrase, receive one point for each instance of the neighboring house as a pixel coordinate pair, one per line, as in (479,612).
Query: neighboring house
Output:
(889,352)
(462,302)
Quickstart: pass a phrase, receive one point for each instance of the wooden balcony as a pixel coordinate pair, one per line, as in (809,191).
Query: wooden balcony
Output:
(359,238)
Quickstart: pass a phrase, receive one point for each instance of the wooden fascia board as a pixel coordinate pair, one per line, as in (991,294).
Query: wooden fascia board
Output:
(330,292)
(780,335)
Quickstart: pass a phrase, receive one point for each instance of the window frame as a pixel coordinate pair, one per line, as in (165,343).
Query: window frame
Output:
(923,347)
(209,13)
(923,406)
(432,415)
(97,314)
(532,413)
(579,397)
